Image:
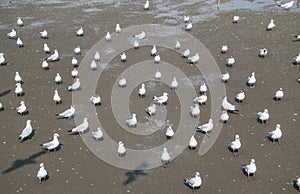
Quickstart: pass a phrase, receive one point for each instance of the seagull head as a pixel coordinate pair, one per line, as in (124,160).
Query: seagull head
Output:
(197,174)
(237,136)
(252,161)
(165,94)
(56,135)
(41,164)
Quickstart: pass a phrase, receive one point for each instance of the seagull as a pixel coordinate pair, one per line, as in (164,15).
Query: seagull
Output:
(136,44)
(203,88)
(225,77)
(188,26)
(12,34)
(151,110)
(1,107)
(201,100)
(157,58)
(77,50)
(224,117)
(296,59)
(224,49)
(140,36)
(67,113)
(51,145)
(297,182)
(79,32)
(177,45)
(19,42)
(194,59)
(121,149)
(195,110)
(186,19)
(174,84)
(20,22)
(21,109)
(271,25)
(157,75)
(207,127)
(263,52)
(56,97)
(279,94)
(161,99)
(235,19)
(170,132)
(193,142)
(74,73)
(227,106)
(153,51)
(297,37)
(122,82)
(142,91)
(58,79)
(118,28)
(108,37)
(45,64)
(96,100)
(194,182)
(230,61)
(97,56)
(251,80)
(146,5)
(165,156)
(18,78)
(286,6)
(44,34)
(93,65)
(54,56)
(123,57)
(80,128)
(2,59)
(132,122)
(75,85)
(42,173)
(263,116)
(186,53)
(26,131)
(97,135)
(250,168)
(275,134)
(240,96)
(235,145)
(46,48)
(74,62)
(18,90)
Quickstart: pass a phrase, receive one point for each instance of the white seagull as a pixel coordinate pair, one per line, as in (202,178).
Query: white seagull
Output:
(132,122)
(174,84)
(263,52)
(108,37)
(251,80)
(79,32)
(75,85)
(96,100)
(146,5)
(194,59)
(58,79)
(188,26)
(240,96)
(224,48)
(157,58)
(224,116)
(12,34)
(19,90)
(161,99)
(230,61)
(250,168)
(235,19)
(1,107)
(287,5)
(74,73)
(42,173)
(271,25)
(51,145)
(193,142)
(228,106)
(2,59)
(296,59)
(157,75)
(46,48)
(77,50)
(195,110)
(151,110)
(177,45)
(186,53)
(122,82)
(275,134)
(142,91)
(279,94)
(67,113)
(201,100)
(26,131)
(186,19)
(19,42)
(203,88)
(123,57)
(121,149)
(207,127)
(194,182)
(93,65)
(136,44)
(165,156)
(45,64)
(54,56)
(44,34)
(97,135)
(225,77)
(297,182)
(153,51)
(97,56)
(81,128)
(140,36)
(56,97)
(235,145)
(74,62)
(18,78)
(20,22)
(263,116)
(170,132)
(118,28)
(21,109)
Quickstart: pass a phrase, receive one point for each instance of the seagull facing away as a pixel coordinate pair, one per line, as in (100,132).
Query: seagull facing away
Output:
(161,99)
(108,37)
(186,19)
(54,56)
(275,134)
(235,19)
(174,84)
(74,73)
(97,56)
(19,42)
(263,116)
(240,96)
(118,28)
(46,48)
(74,62)
(20,22)
(132,122)
(45,64)
(93,65)
(58,79)
(287,5)
(263,52)
(203,88)
(1,107)
(186,53)
(297,182)
(2,59)
(77,50)
(151,110)
(235,145)
(19,90)
(296,59)
(146,5)
(12,34)
(18,78)
(26,131)
(140,36)
(123,57)
(224,116)
(97,135)
(225,77)
(188,27)
(193,142)
(169,132)
(75,85)
(250,169)
(195,111)
(122,82)
(194,182)
(42,173)
(194,59)
(157,58)
(165,156)
(67,113)
(142,91)
(271,25)
(157,75)
(230,61)
(153,51)
(201,100)
(251,80)
(21,109)
(56,97)
(79,32)
(136,44)
(224,49)
(96,100)
(121,149)
(44,34)
(207,127)
(51,145)
(279,94)
(228,106)
(177,45)
(80,128)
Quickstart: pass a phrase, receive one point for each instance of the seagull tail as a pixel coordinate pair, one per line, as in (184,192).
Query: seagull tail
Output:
(69,130)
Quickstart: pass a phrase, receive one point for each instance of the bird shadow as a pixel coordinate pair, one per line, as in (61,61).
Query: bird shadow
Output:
(5,93)
(136,174)
(29,137)
(22,162)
